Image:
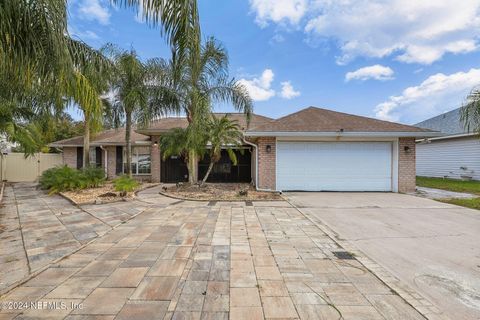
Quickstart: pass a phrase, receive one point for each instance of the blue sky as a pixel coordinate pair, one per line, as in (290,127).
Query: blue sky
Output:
(395,60)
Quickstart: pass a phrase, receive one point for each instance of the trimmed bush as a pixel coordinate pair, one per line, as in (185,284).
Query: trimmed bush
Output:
(125,184)
(64,178)
(92,177)
(60,179)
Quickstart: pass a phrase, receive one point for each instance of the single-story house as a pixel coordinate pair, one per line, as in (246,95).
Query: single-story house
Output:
(455,154)
(313,149)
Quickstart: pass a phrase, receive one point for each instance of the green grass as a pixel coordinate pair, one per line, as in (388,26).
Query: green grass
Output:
(469,203)
(450,185)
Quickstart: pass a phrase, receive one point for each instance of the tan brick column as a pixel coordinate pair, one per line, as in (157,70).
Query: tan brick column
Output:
(406,165)
(266,163)
(70,157)
(156,160)
(111,162)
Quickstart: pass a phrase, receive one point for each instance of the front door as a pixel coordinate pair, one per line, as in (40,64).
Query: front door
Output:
(174,169)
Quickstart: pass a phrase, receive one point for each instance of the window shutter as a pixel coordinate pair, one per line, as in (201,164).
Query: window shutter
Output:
(119,162)
(79,157)
(98,157)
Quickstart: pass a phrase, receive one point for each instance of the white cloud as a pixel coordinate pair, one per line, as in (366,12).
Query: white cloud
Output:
(411,31)
(93,10)
(436,94)
(82,34)
(278,11)
(376,72)
(260,88)
(277,38)
(288,92)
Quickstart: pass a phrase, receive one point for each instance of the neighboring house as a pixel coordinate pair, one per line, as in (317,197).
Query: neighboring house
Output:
(313,149)
(455,154)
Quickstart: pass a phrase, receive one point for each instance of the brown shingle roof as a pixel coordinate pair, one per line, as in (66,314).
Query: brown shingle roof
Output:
(107,137)
(315,119)
(117,136)
(165,124)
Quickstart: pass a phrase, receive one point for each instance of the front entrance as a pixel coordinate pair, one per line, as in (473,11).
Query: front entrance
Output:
(174,169)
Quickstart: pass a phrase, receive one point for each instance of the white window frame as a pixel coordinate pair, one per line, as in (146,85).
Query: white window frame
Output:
(135,155)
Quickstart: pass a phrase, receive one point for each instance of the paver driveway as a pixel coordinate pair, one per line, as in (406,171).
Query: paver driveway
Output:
(431,246)
(200,260)
(37,229)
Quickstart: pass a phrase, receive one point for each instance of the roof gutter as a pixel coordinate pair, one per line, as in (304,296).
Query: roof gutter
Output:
(452,136)
(378,134)
(256,167)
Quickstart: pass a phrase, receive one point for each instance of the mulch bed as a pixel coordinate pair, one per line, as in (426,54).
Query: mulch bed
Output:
(103,194)
(219,192)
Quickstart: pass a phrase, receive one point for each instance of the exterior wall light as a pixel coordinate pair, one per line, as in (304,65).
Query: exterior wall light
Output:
(268,148)
(407,149)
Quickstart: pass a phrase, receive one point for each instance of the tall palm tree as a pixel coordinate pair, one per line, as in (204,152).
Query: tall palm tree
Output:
(222,133)
(470,112)
(41,62)
(200,79)
(181,142)
(133,85)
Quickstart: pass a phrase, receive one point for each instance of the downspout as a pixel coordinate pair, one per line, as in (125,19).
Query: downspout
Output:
(105,160)
(256,167)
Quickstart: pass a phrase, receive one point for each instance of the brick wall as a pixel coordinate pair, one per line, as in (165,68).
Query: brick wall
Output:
(70,157)
(406,165)
(266,163)
(111,162)
(156,160)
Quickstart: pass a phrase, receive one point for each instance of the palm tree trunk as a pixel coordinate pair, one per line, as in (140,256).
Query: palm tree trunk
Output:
(86,141)
(192,167)
(210,167)
(128,141)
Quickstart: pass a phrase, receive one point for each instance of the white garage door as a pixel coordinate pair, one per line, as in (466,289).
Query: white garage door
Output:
(334,166)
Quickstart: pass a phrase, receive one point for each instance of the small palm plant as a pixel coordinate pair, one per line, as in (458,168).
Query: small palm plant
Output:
(124,184)
(223,133)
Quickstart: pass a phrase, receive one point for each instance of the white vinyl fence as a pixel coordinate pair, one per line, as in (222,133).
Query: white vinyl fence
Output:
(14,167)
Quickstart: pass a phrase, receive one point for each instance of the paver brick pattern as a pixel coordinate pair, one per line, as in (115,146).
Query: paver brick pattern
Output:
(36,229)
(193,261)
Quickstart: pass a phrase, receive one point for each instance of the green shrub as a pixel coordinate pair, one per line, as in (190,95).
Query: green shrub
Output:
(60,179)
(64,178)
(125,184)
(92,177)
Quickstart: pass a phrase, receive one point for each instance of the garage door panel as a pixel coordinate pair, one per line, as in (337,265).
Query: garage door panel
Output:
(334,166)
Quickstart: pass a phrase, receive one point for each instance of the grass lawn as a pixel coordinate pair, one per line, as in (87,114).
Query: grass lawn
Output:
(450,185)
(469,203)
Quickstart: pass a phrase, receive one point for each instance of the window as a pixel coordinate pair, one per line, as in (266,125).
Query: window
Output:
(92,155)
(141,161)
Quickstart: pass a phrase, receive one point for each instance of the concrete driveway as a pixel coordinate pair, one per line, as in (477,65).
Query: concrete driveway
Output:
(431,246)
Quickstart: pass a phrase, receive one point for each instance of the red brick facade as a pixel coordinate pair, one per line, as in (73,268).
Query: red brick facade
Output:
(111,161)
(266,163)
(70,157)
(406,165)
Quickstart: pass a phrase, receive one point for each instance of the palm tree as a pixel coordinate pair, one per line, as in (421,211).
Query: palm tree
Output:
(470,112)
(182,141)
(222,133)
(41,63)
(200,79)
(133,85)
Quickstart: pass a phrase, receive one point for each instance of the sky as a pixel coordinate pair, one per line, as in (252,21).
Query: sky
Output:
(395,60)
